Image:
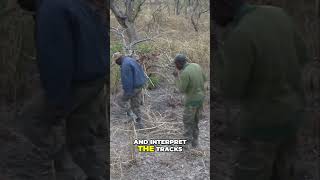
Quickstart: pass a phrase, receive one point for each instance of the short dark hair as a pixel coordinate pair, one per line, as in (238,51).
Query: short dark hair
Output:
(180,58)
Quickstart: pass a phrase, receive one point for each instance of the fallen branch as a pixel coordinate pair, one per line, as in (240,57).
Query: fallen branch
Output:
(144,129)
(139,41)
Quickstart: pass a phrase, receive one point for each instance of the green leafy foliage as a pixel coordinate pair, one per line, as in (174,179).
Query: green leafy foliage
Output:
(116,47)
(155,82)
(115,70)
(144,48)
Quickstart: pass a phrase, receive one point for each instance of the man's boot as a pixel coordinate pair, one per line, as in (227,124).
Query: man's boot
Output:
(195,142)
(139,123)
(188,145)
(195,139)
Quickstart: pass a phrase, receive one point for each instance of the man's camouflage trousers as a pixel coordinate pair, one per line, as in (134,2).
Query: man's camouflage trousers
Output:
(265,160)
(75,141)
(191,117)
(133,103)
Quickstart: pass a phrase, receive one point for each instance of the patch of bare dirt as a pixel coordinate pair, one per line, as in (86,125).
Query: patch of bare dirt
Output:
(163,112)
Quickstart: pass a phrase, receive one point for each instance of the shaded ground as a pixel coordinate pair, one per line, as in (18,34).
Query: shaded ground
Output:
(224,145)
(163,116)
(20,159)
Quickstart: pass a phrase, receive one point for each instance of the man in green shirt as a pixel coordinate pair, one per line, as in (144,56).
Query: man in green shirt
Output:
(260,64)
(190,81)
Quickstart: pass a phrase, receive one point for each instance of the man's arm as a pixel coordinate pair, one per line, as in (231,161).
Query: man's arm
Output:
(182,82)
(127,79)
(301,49)
(235,60)
(204,76)
(55,44)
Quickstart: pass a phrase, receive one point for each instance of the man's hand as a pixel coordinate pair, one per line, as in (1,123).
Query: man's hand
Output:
(175,73)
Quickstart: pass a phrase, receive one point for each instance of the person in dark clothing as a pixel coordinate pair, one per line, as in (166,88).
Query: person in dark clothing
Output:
(133,80)
(68,119)
(260,64)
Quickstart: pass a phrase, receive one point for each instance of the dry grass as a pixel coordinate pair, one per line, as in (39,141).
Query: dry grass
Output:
(124,154)
(162,113)
(172,35)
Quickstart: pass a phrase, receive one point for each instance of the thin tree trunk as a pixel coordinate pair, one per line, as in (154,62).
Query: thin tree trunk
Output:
(195,16)
(177,7)
(131,32)
(186,9)
(126,20)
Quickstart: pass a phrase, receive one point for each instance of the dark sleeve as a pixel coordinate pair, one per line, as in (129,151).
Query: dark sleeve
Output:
(55,52)
(127,79)
(235,59)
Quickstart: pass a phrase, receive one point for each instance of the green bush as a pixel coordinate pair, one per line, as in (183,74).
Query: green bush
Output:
(144,48)
(116,47)
(115,79)
(155,82)
(115,71)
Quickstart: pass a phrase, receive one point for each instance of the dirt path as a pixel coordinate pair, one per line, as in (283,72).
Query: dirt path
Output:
(163,120)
